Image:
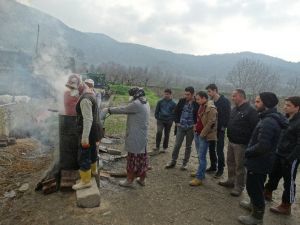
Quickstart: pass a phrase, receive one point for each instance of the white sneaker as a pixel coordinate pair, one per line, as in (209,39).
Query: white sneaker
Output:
(81,185)
(140,182)
(125,183)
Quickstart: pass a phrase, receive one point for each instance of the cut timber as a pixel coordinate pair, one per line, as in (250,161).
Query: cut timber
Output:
(3,143)
(68,179)
(70,174)
(12,141)
(88,197)
(112,151)
(118,173)
(116,158)
(102,148)
(104,174)
(49,186)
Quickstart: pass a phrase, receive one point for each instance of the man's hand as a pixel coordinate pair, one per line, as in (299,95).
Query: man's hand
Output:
(85,143)
(103,114)
(105,111)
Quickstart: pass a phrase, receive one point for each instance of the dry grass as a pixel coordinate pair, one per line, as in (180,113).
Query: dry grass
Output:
(17,162)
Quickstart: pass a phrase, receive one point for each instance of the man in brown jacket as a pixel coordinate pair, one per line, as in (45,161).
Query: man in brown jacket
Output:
(205,130)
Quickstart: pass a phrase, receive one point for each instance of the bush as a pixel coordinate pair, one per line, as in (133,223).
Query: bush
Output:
(121,95)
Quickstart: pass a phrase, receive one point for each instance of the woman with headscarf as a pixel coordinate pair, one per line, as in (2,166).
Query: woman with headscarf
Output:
(138,113)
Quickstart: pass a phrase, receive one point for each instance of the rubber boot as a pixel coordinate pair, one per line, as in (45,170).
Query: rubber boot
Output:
(283,208)
(85,180)
(256,217)
(94,169)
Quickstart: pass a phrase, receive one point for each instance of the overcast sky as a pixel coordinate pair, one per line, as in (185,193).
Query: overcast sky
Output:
(197,27)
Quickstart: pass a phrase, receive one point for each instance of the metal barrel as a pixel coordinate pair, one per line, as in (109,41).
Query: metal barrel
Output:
(68,142)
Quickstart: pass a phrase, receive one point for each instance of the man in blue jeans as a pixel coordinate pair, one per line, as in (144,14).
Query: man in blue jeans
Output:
(185,120)
(205,131)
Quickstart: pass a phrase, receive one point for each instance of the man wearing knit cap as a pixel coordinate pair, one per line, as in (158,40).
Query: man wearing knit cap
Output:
(259,154)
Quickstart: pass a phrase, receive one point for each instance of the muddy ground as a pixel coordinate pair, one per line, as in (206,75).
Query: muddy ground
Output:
(166,199)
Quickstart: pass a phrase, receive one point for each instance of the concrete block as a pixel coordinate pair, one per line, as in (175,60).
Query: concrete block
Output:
(112,151)
(3,144)
(12,141)
(89,197)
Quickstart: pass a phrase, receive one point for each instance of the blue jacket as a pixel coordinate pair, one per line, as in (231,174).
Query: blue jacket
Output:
(263,143)
(165,110)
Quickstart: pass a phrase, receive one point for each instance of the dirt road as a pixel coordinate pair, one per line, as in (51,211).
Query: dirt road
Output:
(167,199)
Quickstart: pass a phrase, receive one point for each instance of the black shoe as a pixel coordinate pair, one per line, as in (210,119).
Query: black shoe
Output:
(211,169)
(183,167)
(170,165)
(218,174)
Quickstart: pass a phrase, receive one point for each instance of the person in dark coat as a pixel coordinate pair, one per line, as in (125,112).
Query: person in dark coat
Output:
(287,159)
(216,147)
(243,119)
(260,153)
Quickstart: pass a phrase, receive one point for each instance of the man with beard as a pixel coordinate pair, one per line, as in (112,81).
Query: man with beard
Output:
(259,155)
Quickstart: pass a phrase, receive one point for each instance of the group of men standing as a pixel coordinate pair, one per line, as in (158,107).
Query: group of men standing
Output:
(261,142)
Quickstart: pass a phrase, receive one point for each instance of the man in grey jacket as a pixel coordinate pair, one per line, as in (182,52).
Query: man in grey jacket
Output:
(138,114)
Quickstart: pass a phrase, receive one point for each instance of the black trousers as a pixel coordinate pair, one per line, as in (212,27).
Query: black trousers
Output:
(87,156)
(216,155)
(166,127)
(255,188)
(288,172)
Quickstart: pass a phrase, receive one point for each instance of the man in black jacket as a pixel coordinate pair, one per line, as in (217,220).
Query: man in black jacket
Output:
(185,120)
(287,158)
(223,108)
(243,119)
(259,155)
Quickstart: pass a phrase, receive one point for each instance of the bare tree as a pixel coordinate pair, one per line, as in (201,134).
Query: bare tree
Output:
(253,76)
(293,86)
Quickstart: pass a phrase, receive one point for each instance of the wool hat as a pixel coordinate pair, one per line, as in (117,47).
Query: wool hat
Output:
(269,99)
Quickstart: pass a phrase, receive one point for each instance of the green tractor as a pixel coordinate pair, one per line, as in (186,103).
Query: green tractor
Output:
(100,84)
